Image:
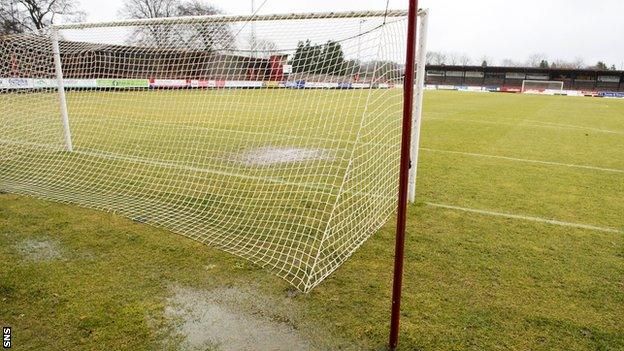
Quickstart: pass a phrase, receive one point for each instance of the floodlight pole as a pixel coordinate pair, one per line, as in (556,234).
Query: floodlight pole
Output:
(56,52)
(408,106)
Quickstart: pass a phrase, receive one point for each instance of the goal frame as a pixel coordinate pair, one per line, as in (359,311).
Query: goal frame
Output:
(231,19)
(412,107)
(54,36)
(524,83)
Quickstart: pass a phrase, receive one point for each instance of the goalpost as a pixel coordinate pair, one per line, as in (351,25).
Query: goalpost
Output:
(541,86)
(277,138)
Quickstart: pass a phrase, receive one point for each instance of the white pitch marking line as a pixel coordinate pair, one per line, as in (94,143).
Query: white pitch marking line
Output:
(527,218)
(570,126)
(536,124)
(613,170)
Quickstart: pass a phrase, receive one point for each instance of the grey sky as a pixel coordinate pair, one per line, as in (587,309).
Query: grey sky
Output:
(561,29)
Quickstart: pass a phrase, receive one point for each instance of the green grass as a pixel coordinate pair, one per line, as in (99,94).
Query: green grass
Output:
(472,281)
(172,158)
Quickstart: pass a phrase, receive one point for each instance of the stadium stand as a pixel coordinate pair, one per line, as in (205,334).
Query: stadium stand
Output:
(512,77)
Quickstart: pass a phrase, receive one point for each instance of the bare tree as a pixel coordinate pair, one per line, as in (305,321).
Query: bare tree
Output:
(429,57)
(149,8)
(265,48)
(577,63)
(208,36)
(536,60)
(21,16)
(510,63)
(453,58)
(465,60)
(436,58)
(213,36)
(486,61)
(196,8)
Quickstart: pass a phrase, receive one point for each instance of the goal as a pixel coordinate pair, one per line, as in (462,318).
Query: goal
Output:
(276,138)
(541,87)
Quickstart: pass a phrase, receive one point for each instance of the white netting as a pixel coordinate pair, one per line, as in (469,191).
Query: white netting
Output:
(276,139)
(541,86)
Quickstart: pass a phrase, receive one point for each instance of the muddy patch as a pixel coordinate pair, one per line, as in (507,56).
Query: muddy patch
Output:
(268,156)
(39,250)
(230,319)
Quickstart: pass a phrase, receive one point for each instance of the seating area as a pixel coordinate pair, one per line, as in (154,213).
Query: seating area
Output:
(512,77)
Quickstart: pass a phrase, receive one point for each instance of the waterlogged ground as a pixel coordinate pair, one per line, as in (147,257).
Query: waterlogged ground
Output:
(232,319)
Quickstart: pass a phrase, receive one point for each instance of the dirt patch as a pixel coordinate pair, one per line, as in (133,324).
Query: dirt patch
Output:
(230,319)
(39,250)
(268,156)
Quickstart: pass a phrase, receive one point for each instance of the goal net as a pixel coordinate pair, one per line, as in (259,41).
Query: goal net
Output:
(275,138)
(541,87)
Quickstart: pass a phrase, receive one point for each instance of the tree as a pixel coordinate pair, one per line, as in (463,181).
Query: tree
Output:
(536,60)
(350,67)
(465,60)
(328,58)
(306,57)
(207,36)
(435,58)
(613,68)
(510,63)
(456,58)
(21,16)
(577,63)
(429,57)
(196,8)
(264,48)
(333,58)
(601,66)
(9,17)
(485,61)
(544,64)
(150,8)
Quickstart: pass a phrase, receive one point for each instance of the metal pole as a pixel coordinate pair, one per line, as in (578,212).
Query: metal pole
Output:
(408,103)
(61,89)
(420,88)
(233,18)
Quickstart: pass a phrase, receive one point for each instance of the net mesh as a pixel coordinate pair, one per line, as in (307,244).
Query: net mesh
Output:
(274,138)
(538,86)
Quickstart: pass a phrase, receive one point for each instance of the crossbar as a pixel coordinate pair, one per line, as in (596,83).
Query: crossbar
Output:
(233,18)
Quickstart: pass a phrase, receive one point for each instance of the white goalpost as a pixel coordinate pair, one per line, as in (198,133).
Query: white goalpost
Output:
(541,86)
(276,138)
(58,70)
(419,91)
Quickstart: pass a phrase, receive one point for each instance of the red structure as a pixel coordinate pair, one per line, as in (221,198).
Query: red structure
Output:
(406,142)
(276,67)
(271,69)
(14,66)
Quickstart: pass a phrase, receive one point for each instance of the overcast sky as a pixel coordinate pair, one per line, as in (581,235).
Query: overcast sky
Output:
(561,29)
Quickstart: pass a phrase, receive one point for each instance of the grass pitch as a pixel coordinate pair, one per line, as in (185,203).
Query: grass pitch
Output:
(516,242)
